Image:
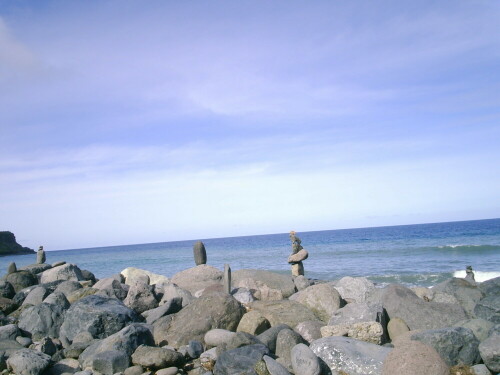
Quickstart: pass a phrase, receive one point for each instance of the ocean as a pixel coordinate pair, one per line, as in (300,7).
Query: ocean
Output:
(423,254)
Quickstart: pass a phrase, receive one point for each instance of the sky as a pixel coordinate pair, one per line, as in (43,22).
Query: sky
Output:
(126,122)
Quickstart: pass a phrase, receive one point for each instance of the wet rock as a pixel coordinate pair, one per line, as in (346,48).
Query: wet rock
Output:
(28,362)
(352,356)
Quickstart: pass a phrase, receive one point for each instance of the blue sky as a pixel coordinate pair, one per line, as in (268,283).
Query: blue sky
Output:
(130,122)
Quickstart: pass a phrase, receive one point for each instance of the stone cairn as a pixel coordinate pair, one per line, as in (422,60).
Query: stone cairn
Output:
(298,255)
(469,275)
(200,254)
(40,255)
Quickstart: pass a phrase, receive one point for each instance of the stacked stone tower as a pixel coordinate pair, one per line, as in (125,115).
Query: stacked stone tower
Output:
(298,255)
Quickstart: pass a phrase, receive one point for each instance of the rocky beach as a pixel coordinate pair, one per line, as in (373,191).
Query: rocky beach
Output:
(59,319)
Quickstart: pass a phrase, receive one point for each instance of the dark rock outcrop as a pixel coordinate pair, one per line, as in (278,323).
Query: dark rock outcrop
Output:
(9,245)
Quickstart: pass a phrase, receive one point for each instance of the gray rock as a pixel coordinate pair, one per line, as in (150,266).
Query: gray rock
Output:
(310,330)
(40,256)
(37,268)
(58,263)
(456,345)
(365,331)
(322,299)
(285,341)
(59,299)
(110,362)
(156,358)
(21,295)
(194,349)
(42,320)
(140,298)
(466,293)
(64,367)
(21,279)
(88,276)
(134,370)
(24,341)
(490,353)
(170,307)
(283,312)
(11,268)
(489,308)
(167,291)
(46,346)
(36,296)
(237,341)
(68,286)
(349,355)
(65,272)
(6,289)
(113,285)
(269,337)
(243,295)
(273,367)
(76,348)
(199,253)
(8,347)
(396,327)
(197,278)
(301,282)
(480,327)
(7,305)
(266,285)
(354,289)
(490,287)
(401,302)
(9,332)
(28,362)
(98,315)
(217,336)
(127,340)
(304,361)
(358,313)
(480,370)
(253,322)
(217,310)
(240,361)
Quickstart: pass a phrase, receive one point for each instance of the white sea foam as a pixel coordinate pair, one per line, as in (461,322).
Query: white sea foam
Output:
(479,276)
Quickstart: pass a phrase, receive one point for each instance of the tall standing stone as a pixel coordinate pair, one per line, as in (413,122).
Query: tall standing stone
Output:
(12,268)
(200,254)
(227,279)
(40,255)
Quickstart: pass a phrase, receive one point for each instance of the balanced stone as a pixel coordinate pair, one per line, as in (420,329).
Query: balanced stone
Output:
(297,256)
(200,254)
(298,269)
(12,268)
(40,255)
(227,279)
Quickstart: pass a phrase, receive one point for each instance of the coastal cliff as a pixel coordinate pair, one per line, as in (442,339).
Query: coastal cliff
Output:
(9,245)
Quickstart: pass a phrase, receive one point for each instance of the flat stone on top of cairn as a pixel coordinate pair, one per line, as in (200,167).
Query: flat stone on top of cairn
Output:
(40,255)
(298,255)
(200,254)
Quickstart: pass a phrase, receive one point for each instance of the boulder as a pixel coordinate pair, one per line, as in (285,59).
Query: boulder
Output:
(301,282)
(352,356)
(9,332)
(466,293)
(100,316)
(274,367)
(21,279)
(237,341)
(490,287)
(140,298)
(46,345)
(490,353)
(193,321)
(132,273)
(240,361)
(166,291)
(81,293)
(68,286)
(8,347)
(64,367)
(396,327)
(57,298)
(170,307)
(354,289)
(197,278)
(88,276)
(489,308)
(480,327)
(414,358)
(112,285)
(283,312)
(65,272)
(7,305)
(269,337)
(36,268)
(456,345)
(310,330)
(127,340)
(42,320)
(36,296)
(253,322)
(28,362)
(265,285)
(285,342)
(357,313)
(110,362)
(322,299)
(217,336)
(401,302)
(304,361)
(156,358)
(480,370)
(243,295)
(6,289)
(371,332)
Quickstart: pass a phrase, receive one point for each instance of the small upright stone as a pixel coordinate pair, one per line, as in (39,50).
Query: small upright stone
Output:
(298,269)
(200,254)
(12,268)
(40,255)
(227,279)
